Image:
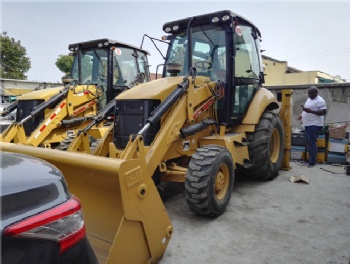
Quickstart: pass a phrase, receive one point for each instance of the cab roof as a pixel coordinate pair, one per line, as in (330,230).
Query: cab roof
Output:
(110,42)
(205,19)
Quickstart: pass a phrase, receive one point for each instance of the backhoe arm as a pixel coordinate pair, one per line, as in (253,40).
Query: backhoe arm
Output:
(58,114)
(15,132)
(81,141)
(9,109)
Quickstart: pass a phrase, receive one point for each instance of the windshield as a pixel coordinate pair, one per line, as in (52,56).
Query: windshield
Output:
(208,54)
(93,67)
(143,65)
(125,66)
(247,64)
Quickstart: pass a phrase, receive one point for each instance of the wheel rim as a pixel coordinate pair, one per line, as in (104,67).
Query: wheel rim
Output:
(222,181)
(275,145)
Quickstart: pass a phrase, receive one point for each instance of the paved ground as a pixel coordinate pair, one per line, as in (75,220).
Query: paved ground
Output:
(267,222)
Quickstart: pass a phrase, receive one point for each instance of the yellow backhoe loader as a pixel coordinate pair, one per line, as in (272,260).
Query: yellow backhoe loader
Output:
(207,118)
(101,70)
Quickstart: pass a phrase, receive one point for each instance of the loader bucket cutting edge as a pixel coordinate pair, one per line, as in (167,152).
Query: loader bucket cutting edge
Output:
(126,221)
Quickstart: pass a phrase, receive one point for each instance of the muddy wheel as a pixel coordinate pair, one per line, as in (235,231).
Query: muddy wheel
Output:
(266,147)
(93,143)
(64,144)
(209,180)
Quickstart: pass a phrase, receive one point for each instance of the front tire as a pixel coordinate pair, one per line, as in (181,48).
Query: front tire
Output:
(209,180)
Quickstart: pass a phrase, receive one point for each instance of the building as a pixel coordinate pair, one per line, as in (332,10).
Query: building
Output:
(279,73)
(10,88)
(154,75)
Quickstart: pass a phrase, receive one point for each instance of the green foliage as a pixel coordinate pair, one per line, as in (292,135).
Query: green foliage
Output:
(64,63)
(14,63)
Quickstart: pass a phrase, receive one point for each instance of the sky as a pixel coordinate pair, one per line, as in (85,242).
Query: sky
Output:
(308,35)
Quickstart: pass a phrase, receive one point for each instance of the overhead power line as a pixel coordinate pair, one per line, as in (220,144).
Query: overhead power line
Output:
(320,54)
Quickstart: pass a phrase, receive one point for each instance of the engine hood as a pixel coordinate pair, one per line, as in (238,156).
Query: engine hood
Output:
(157,89)
(40,94)
(46,94)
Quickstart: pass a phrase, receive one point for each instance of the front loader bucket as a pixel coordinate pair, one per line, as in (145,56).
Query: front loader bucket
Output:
(125,218)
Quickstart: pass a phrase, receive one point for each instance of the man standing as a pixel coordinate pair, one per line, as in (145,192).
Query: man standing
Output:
(313,121)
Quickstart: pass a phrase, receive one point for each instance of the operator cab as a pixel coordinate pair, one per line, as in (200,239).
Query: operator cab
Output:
(224,47)
(110,65)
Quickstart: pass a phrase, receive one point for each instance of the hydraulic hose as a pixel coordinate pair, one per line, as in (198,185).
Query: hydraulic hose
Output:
(9,109)
(192,129)
(168,102)
(179,91)
(75,121)
(99,118)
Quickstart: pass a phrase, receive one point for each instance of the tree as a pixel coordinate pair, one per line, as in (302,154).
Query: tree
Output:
(14,63)
(64,63)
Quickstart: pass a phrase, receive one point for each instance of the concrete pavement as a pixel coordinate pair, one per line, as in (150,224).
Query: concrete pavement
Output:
(267,222)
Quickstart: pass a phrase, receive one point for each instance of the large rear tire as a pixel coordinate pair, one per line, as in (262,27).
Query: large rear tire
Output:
(209,180)
(266,147)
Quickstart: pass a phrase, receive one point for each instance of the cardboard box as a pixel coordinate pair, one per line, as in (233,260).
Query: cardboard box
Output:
(321,157)
(297,153)
(334,157)
(338,145)
(321,141)
(298,139)
(300,178)
(337,132)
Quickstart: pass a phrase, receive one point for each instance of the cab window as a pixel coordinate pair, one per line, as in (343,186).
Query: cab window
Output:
(124,66)
(143,65)
(246,69)
(246,57)
(93,67)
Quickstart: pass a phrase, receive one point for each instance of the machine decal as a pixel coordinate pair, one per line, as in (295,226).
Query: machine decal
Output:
(239,31)
(133,176)
(50,119)
(83,108)
(203,107)
(84,93)
(118,51)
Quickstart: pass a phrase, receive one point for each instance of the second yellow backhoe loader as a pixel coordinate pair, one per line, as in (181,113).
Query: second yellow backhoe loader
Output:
(207,118)
(101,70)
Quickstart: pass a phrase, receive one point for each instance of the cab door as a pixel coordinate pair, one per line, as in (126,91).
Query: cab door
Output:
(247,70)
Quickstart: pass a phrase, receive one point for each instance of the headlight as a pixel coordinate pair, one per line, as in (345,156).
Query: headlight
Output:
(214,19)
(225,18)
